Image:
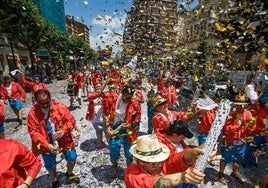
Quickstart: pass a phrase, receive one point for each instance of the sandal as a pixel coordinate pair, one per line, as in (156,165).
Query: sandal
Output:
(235,176)
(222,179)
(99,146)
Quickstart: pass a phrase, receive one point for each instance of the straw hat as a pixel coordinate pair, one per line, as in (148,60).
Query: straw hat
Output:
(240,100)
(157,100)
(5,77)
(149,149)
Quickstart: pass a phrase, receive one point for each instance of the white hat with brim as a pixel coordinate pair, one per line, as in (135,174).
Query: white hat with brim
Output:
(206,103)
(240,100)
(149,149)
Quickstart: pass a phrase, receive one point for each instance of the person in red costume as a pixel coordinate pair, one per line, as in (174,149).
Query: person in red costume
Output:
(15,95)
(99,106)
(205,110)
(34,86)
(152,164)
(168,92)
(50,126)
(109,103)
(114,76)
(163,117)
(257,134)
(127,116)
(2,117)
(234,134)
(173,138)
(19,166)
(97,76)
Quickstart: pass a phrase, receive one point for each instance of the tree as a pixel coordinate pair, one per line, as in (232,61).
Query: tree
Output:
(27,27)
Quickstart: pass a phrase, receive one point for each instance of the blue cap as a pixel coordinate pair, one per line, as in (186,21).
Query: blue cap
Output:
(153,74)
(264,100)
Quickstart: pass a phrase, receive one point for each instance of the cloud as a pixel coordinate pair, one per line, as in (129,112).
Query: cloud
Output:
(111,33)
(107,37)
(109,21)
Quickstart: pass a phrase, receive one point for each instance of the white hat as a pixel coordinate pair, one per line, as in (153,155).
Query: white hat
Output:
(149,149)
(206,103)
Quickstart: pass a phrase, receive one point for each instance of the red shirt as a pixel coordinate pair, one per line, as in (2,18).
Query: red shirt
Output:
(138,94)
(63,120)
(2,115)
(32,85)
(17,162)
(17,92)
(160,121)
(205,121)
(172,162)
(114,78)
(132,117)
(136,176)
(169,93)
(235,128)
(79,78)
(261,122)
(133,114)
(109,101)
(96,77)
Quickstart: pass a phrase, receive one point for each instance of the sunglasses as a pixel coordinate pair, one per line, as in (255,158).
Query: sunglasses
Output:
(163,103)
(43,103)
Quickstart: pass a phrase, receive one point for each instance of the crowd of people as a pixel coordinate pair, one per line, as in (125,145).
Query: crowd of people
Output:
(160,158)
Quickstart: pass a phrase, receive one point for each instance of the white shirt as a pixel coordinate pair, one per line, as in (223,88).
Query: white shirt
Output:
(120,109)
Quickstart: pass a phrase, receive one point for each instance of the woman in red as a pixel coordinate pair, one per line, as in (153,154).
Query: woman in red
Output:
(2,118)
(19,166)
(234,133)
(206,111)
(101,105)
(163,117)
(34,86)
(173,138)
(15,95)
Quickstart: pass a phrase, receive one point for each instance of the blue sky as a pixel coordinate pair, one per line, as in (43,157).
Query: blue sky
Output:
(106,18)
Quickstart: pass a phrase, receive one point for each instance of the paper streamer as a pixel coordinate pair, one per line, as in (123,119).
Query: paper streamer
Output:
(219,121)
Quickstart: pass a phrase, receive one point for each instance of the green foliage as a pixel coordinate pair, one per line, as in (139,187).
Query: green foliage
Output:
(21,20)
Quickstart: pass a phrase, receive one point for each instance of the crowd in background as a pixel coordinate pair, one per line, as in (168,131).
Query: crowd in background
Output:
(115,96)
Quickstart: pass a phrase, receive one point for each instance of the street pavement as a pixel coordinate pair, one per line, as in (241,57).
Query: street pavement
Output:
(93,166)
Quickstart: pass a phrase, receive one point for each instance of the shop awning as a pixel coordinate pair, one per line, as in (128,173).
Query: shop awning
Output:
(23,58)
(10,57)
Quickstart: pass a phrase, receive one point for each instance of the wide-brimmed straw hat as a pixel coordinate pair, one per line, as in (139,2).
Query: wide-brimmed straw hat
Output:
(149,149)
(157,100)
(240,100)
(5,77)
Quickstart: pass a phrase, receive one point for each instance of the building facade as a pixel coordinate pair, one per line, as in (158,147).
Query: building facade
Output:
(77,28)
(53,11)
(150,29)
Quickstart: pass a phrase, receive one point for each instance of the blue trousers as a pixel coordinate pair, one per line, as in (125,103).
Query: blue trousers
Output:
(257,144)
